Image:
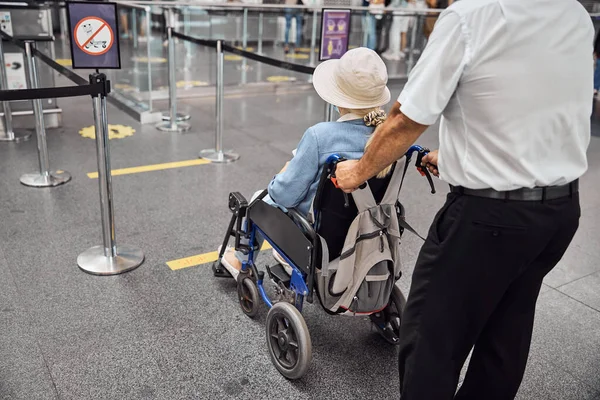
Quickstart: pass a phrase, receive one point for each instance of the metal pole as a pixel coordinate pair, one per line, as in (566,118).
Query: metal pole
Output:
(218,155)
(64,26)
(104,177)
(260,32)
(186,30)
(148,55)
(220,95)
(313,38)
(413,40)
(44,178)
(245,46)
(329,112)
(107,259)
(8,135)
(172,118)
(134,30)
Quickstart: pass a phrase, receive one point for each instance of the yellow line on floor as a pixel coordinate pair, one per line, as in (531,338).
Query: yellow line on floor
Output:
(154,167)
(201,259)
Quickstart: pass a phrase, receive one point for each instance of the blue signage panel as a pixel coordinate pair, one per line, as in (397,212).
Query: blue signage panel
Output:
(94,34)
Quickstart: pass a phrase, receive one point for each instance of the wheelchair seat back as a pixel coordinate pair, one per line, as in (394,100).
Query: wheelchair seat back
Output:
(276,225)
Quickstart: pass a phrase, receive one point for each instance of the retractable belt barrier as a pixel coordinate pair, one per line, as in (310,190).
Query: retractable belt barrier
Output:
(106,259)
(304,69)
(217,154)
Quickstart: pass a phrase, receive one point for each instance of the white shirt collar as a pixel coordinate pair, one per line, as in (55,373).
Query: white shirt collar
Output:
(349,117)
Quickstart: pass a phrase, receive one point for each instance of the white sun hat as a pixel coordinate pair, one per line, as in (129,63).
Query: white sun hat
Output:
(357,80)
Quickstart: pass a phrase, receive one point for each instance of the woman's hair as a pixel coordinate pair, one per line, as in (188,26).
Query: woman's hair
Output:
(374,117)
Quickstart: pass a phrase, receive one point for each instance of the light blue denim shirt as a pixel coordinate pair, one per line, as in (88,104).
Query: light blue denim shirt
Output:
(297,185)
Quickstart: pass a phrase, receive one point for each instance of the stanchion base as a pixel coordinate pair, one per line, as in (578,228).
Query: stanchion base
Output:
(18,137)
(93,260)
(50,180)
(226,156)
(166,116)
(177,127)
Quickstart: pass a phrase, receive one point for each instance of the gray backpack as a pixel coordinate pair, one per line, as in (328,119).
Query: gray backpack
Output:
(362,278)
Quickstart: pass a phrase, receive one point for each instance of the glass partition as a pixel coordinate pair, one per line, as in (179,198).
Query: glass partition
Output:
(287,34)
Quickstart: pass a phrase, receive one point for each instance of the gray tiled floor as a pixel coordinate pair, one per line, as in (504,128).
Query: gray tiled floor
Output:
(160,334)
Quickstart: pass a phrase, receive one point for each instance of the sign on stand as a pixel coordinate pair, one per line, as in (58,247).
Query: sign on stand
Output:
(335,29)
(15,71)
(94,35)
(6,22)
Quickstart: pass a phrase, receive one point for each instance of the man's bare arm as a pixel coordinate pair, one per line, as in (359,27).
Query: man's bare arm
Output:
(392,140)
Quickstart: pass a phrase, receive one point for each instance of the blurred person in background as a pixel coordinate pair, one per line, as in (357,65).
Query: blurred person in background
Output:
(398,31)
(370,22)
(384,23)
(298,15)
(431,19)
(124,22)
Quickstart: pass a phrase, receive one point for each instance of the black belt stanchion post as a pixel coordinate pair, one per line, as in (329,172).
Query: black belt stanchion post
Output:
(9,135)
(107,259)
(45,177)
(172,119)
(217,154)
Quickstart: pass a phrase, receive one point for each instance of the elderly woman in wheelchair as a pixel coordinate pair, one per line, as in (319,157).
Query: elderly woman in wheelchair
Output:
(342,247)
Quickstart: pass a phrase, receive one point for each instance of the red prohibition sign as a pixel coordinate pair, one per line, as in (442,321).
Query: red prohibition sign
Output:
(93,36)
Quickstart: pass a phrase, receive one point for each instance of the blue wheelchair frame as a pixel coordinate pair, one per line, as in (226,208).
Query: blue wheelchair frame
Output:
(298,279)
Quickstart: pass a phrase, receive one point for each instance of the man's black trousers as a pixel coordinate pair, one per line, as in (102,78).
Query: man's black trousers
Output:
(476,283)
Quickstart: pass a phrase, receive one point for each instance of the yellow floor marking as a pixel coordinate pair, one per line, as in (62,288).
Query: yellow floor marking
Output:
(297,56)
(189,84)
(65,62)
(232,57)
(306,49)
(114,132)
(151,59)
(201,259)
(250,49)
(280,78)
(155,167)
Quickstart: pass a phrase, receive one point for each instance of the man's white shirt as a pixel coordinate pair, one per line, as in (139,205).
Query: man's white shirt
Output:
(513,83)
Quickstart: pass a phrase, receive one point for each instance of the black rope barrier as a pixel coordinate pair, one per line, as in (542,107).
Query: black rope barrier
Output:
(93,89)
(304,69)
(53,64)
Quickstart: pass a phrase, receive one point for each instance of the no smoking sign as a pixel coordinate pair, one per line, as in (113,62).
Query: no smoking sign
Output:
(94,34)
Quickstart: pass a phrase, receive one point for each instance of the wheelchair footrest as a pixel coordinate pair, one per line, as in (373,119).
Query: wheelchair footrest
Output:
(220,271)
(279,274)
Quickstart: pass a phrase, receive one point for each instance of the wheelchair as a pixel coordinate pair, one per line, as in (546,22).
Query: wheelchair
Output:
(299,242)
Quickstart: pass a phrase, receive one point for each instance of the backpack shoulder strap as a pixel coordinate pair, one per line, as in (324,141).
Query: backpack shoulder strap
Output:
(393,190)
(364,199)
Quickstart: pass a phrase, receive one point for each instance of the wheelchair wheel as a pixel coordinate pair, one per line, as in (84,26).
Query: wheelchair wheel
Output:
(248,295)
(392,317)
(288,340)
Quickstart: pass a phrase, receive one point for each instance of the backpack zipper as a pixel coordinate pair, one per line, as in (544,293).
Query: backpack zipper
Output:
(366,236)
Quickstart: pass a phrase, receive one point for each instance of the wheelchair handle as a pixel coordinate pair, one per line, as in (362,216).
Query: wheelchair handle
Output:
(423,170)
(333,161)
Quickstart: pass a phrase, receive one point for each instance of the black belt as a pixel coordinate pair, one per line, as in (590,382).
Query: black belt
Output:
(524,194)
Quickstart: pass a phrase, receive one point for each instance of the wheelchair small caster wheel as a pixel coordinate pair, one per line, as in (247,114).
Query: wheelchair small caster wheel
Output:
(388,324)
(248,296)
(288,340)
